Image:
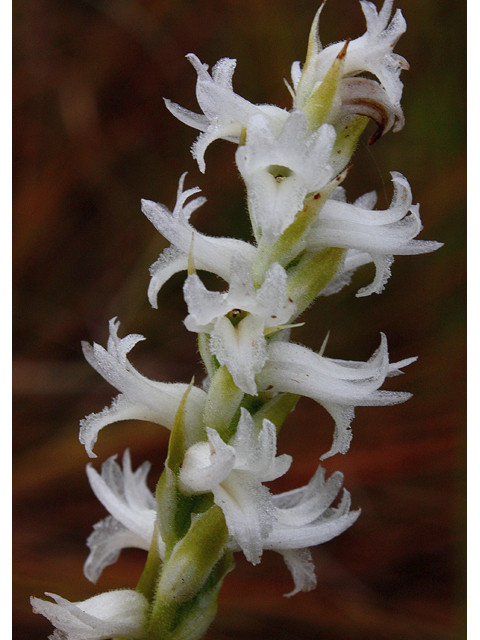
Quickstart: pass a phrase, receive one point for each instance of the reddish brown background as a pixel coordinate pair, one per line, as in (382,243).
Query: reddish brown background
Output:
(92,137)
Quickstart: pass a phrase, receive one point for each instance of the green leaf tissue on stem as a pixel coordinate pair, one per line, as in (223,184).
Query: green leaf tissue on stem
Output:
(311,274)
(223,401)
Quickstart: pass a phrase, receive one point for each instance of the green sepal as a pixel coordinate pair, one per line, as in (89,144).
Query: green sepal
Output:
(193,557)
(203,608)
(348,135)
(210,361)
(176,444)
(174,510)
(322,101)
(190,620)
(311,274)
(173,506)
(313,49)
(149,578)
(223,401)
(277,410)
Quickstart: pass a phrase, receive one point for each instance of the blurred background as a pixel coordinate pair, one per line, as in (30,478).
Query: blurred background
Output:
(91,138)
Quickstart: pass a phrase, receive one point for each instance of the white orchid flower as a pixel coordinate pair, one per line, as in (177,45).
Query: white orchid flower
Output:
(126,496)
(380,234)
(372,52)
(305,518)
(140,397)
(338,385)
(225,114)
(111,615)
(280,170)
(234,474)
(211,254)
(238,319)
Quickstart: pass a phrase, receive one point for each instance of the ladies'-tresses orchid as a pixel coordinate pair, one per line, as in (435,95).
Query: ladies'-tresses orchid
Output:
(338,385)
(280,171)
(238,319)
(211,254)
(211,499)
(226,114)
(111,615)
(234,474)
(305,518)
(126,496)
(288,522)
(380,234)
(372,53)
(140,397)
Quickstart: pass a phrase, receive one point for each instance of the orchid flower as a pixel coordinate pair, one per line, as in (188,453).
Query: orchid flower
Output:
(225,114)
(238,319)
(211,254)
(288,522)
(234,474)
(281,171)
(338,385)
(111,615)
(140,397)
(305,518)
(132,506)
(372,52)
(380,234)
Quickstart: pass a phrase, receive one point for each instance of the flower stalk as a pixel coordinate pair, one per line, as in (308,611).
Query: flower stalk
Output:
(211,500)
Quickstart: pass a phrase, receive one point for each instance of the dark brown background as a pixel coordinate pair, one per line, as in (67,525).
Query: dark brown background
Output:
(92,137)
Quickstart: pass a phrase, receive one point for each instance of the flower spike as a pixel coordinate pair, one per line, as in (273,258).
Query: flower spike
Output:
(212,498)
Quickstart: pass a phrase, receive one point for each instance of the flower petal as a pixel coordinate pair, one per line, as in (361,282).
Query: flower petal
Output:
(155,401)
(382,234)
(121,409)
(337,385)
(248,509)
(301,566)
(106,542)
(210,254)
(204,306)
(206,464)
(109,615)
(304,505)
(281,171)
(133,508)
(242,349)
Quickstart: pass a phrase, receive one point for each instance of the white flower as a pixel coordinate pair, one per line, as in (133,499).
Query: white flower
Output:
(281,170)
(289,522)
(234,474)
(372,52)
(126,496)
(211,254)
(140,397)
(236,320)
(338,385)
(305,518)
(380,234)
(112,615)
(225,112)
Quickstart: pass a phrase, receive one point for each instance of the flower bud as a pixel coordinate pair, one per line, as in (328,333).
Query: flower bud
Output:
(194,557)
